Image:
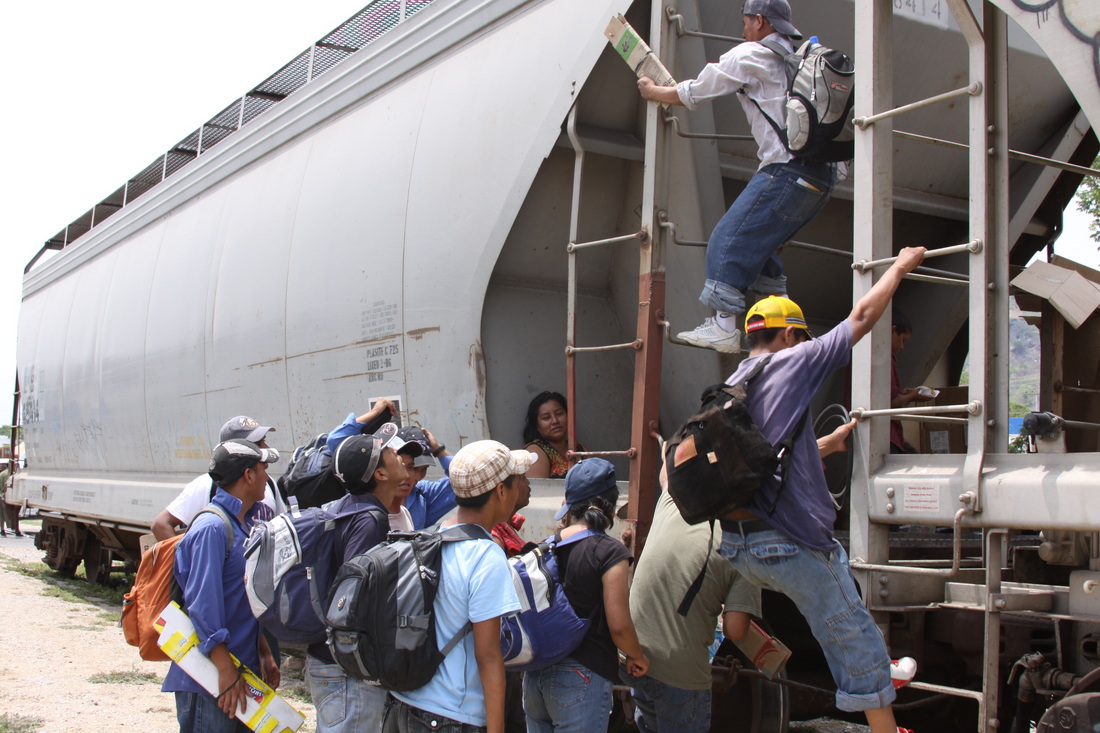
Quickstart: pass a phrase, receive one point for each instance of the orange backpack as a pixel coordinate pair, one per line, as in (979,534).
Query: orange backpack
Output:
(152,591)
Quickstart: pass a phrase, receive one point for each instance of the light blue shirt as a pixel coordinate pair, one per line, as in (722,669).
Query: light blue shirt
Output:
(475,585)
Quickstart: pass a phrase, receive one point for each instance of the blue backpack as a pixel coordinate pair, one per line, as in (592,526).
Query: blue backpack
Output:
(546,629)
(289,568)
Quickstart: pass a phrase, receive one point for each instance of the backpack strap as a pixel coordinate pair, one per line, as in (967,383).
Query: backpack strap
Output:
(555,541)
(781,52)
(215,509)
(458,533)
(697,584)
(786,449)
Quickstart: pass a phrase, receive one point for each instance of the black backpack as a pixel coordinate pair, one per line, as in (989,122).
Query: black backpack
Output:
(820,96)
(381,614)
(309,478)
(718,459)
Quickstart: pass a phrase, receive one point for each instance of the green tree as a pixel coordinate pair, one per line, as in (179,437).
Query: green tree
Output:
(1088,200)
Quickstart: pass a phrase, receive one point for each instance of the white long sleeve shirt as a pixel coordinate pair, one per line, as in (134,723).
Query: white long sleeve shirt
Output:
(757,71)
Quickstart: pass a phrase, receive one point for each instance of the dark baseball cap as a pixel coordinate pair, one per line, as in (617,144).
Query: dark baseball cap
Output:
(245,428)
(356,459)
(390,436)
(412,434)
(778,13)
(232,457)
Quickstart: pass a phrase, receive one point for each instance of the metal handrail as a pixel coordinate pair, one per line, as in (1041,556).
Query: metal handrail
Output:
(973,408)
(974,89)
(1016,154)
(681,29)
(675,122)
(664,223)
(630,453)
(956,550)
(974,246)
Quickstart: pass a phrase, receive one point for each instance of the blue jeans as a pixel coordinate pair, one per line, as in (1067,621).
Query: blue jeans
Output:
(776,203)
(822,587)
(566,698)
(198,712)
(344,704)
(661,708)
(400,717)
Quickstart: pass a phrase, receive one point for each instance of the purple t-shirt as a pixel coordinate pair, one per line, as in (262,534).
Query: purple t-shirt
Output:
(777,399)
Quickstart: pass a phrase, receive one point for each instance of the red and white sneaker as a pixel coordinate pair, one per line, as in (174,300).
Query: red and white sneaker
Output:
(904,730)
(902,672)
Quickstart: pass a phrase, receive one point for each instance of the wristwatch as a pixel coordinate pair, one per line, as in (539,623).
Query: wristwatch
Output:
(439,450)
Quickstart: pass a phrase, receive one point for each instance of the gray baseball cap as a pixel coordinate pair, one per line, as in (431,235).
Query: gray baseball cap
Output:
(778,13)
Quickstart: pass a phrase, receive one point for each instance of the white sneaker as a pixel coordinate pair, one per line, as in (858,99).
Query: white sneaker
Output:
(902,672)
(712,336)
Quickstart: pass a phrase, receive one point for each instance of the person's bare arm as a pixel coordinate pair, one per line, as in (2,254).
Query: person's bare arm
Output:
(269,665)
(231,685)
(490,668)
(836,441)
(735,624)
(164,526)
(617,608)
(655,93)
(874,302)
(541,467)
(379,406)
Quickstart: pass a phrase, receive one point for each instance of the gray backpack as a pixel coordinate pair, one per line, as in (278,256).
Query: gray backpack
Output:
(380,614)
(820,96)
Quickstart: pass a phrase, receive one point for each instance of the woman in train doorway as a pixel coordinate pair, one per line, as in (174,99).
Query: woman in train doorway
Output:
(546,434)
(574,695)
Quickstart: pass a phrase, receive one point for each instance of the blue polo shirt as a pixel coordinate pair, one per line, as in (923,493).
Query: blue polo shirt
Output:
(213,589)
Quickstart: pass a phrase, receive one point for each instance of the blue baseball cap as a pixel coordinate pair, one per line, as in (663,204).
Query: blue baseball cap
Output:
(591,477)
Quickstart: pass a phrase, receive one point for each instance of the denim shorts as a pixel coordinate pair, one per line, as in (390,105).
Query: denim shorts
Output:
(822,587)
(198,712)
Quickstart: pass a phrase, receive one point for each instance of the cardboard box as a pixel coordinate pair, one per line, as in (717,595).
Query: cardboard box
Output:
(1074,296)
(265,711)
(945,437)
(767,653)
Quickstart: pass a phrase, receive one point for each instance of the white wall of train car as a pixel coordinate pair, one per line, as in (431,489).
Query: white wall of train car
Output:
(336,251)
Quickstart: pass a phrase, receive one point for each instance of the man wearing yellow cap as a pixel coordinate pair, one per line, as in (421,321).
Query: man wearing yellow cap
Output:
(784,539)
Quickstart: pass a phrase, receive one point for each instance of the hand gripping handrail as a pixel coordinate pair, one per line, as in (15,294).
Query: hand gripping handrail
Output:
(974,246)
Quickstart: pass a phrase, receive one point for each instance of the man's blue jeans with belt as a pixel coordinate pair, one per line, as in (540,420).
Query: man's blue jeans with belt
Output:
(822,587)
(741,254)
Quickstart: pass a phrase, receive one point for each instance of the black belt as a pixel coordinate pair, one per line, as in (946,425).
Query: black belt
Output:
(745,527)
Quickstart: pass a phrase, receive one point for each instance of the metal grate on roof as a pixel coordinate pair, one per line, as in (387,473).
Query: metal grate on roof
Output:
(376,19)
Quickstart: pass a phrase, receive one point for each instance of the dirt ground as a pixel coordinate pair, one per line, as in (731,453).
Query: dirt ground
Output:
(50,648)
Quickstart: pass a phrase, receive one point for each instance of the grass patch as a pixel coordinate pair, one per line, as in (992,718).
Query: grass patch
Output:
(295,690)
(75,589)
(12,723)
(128,677)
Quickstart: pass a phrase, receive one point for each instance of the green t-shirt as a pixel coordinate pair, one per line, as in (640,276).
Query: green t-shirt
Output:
(674,552)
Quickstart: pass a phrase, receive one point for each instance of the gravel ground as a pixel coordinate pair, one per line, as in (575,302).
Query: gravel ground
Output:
(51,648)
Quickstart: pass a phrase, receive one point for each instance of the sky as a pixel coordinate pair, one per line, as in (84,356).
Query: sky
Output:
(96,91)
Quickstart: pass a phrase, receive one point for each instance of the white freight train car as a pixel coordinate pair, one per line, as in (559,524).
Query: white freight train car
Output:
(388,216)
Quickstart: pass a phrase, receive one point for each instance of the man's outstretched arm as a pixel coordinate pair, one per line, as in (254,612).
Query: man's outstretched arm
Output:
(874,302)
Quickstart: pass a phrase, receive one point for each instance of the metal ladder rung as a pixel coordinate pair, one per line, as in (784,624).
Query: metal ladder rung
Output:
(671,119)
(629,453)
(572,247)
(681,29)
(636,344)
(974,246)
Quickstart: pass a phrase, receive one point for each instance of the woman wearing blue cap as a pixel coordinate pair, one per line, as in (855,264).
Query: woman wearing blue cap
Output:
(575,693)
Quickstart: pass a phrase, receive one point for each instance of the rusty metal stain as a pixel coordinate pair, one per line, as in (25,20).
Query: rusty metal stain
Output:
(477,363)
(418,333)
(360,374)
(276,360)
(353,345)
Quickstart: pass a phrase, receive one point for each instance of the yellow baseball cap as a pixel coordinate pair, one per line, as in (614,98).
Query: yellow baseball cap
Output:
(775,311)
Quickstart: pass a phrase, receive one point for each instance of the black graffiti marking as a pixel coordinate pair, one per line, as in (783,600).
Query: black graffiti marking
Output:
(1042,11)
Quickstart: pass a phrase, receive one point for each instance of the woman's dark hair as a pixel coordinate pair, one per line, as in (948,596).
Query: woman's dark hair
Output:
(531,427)
(900,321)
(598,512)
